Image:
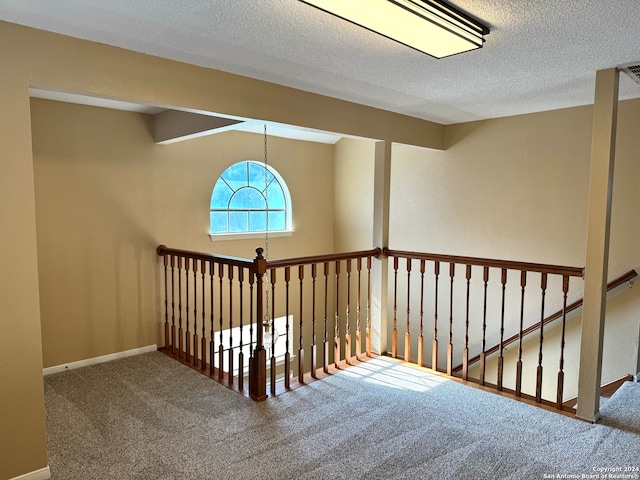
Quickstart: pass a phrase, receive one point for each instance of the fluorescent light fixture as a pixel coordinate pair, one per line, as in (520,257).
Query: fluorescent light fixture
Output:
(430,26)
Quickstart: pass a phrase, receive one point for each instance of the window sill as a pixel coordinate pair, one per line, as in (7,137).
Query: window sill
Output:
(216,237)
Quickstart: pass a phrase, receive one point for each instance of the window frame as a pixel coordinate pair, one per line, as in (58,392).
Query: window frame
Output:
(287,209)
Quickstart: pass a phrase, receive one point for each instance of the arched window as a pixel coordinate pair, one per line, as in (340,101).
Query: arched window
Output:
(248,197)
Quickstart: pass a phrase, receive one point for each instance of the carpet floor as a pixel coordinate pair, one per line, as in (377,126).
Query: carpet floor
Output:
(149,417)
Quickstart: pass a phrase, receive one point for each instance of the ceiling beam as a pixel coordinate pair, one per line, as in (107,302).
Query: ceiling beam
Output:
(174,126)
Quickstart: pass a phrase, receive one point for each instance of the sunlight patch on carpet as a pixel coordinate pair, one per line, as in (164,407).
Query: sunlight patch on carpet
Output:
(392,375)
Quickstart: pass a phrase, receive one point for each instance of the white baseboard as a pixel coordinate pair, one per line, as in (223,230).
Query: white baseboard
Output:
(42,474)
(101,359)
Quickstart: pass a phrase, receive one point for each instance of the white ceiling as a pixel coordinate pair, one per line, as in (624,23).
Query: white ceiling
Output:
(540,54)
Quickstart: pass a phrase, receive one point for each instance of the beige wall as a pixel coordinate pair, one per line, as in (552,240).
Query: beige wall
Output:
(107,196)
(511,188)
(353,184)
(32,58)
(516,189)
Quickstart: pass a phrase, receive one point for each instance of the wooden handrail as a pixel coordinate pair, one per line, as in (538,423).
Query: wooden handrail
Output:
(488,262)
(291,262)
(630,275)
(163,250)
(256,268)
(189,296)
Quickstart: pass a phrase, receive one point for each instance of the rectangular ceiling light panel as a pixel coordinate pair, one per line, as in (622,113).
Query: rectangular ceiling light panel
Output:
(429,26)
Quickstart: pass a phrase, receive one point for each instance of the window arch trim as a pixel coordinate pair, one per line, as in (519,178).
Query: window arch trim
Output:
(249,215)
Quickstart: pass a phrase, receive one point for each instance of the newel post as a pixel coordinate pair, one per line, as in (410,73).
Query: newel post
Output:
(258,362)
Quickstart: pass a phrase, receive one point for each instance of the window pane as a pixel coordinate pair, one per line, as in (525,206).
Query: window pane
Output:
(257,176)
(246,198)
(221,195)
(238,221)
(219,222)
(275,197)
(236,175)
(258,221)
(239,200)
(277,221)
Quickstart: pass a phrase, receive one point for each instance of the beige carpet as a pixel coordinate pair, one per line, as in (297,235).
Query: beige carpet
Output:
(148,417)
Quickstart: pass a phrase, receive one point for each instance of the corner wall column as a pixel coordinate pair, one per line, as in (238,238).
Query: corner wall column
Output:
(638,360)
(380,271)
(22,416)
(603,137)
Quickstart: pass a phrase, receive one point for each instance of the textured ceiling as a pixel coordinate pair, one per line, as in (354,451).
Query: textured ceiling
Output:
(540,55)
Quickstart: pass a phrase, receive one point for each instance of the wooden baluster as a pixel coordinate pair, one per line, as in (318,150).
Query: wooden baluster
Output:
(358,318)
(180,332)
(483,355)
(287,355)
(167,337)
(196,343)
(347,334)
(434,351)
(543,286)
(336,338)
(407,335)
(523,284)
(252,280)
(186,310)
(274,365)
(368,332)
(173,308)
(301,348)
(314,353)
(465,352)
(220,314)
(325,360)
(452,272)
(231,352)
(503,280)
(421,337)
(203,347)
(394,333)
(211,319)
(560,390)
(241,352)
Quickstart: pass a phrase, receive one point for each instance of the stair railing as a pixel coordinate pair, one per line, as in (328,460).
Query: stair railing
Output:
(209,315)
(621,280)
(325,301)
(320,316)
(215,319)
(455,308)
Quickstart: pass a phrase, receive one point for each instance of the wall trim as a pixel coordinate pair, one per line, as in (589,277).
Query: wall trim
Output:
(101,359)
(42,474)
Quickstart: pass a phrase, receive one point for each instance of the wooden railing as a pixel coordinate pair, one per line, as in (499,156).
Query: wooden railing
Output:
(259,326)
(221,313)
(200,293)
(330,312)
(490,280)
(623,279)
